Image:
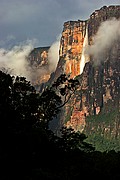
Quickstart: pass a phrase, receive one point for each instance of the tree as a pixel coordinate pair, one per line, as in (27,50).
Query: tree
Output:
(24,123)
(23,109)
(72,141)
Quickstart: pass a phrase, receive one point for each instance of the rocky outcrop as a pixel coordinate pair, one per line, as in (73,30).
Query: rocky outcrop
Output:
(99,90)
(38,59)
(99,84)
(71,46)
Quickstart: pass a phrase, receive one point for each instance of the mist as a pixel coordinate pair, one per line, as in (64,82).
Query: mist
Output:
(14,61)
(108,33)
(53,55)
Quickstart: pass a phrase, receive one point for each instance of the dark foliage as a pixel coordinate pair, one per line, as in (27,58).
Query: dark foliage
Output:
(30,150)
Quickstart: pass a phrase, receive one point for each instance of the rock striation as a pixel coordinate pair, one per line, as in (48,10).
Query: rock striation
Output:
(99,90)
(99,83)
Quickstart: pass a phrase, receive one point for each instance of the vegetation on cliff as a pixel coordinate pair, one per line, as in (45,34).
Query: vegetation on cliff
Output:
(103,130)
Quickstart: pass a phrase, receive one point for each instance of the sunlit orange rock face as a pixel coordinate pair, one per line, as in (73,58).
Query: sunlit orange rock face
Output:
(99,84)
(71,46)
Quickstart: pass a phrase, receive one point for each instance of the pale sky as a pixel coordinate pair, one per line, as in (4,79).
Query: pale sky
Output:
(41,20)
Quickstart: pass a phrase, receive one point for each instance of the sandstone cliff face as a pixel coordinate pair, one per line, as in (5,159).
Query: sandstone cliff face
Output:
(99,89)
(71,45)
(99,84)
(38,59)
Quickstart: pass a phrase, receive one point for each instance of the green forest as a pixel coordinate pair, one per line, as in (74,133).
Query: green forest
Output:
(30,150)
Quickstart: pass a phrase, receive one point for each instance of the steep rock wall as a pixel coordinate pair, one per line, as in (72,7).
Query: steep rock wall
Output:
(99,84)
(38,59)
(71,45)
(99,90)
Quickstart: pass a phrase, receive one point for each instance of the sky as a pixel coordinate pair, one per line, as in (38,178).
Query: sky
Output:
(41,21)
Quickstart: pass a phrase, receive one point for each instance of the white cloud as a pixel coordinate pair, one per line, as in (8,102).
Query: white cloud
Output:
(14,60)
(53,55)
(108,33)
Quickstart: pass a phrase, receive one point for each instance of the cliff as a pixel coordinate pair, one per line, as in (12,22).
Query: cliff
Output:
(71,46)
(99,82)
(38,59)
(98,69)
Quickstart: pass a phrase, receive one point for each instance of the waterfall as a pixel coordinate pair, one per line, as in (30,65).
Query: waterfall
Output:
(84,56)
